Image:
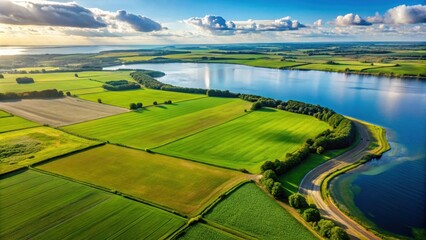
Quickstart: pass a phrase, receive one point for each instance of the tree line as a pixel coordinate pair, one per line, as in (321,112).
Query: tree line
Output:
(23,80)
(49,93)
(119,85)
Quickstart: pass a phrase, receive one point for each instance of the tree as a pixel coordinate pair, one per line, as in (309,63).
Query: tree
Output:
(270,174)
(320,150)
(139,105)
(337,233)
(68,94)
(76,75)
(311,215)
(1,75)
(133,106)
(297,201)
(99,100)
(256,106)
(324,227)
(269,184)
(277,190)
(155,103)
(266,166)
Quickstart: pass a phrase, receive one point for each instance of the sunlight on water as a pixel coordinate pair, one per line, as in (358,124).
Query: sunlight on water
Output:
(10,51)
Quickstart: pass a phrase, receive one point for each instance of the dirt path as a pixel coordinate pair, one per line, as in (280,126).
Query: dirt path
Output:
(311,185)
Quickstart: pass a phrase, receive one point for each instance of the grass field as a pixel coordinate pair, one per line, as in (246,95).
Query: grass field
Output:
(251,211)
(14,123)
(248,141)
(4,114)
(27,146)
(145,96)
(39,206)
(155,126)
(203,231)
(181,185)
(65,81)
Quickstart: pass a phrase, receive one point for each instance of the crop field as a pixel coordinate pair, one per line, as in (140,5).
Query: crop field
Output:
(59,111)
(251,211)
(158,125)
(39,206)
(65,81)
(248,141)
(27,146)
(177,184)
(10,123)
(203,231)
(145,96)
(4,114)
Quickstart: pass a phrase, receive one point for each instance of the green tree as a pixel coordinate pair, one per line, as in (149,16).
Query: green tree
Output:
(297,201)
(320,149)
(139,105)
(270,174)
(133,106)
(266,166)
(68,94)
(256,106)
(269,184)
(311,215)
(76,75)
(337,233)
(155,103)
(1,75)
(99,100)
(324,227)
(277,190)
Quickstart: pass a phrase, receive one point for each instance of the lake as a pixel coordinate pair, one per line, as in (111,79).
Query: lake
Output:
(391,191)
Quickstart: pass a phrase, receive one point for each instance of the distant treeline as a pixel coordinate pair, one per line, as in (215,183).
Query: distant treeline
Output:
(49,93)
(119,85)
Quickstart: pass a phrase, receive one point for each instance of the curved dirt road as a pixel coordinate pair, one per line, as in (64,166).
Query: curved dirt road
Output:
(311,184)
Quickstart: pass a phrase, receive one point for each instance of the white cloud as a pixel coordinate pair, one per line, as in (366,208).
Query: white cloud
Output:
(318,23)
(406,14)
(350,19)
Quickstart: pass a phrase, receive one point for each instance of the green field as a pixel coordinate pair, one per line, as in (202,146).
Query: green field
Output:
(248,141)
(10,123)
(251,211)
(158,125)
(27,146)
(177,184)
(145,96)
(65,81)
(203,231)
(4,114)
(39,206)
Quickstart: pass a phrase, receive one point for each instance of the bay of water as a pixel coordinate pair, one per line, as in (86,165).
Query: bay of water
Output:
(390,191)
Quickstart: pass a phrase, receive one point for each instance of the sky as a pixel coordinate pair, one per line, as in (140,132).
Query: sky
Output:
(94,22)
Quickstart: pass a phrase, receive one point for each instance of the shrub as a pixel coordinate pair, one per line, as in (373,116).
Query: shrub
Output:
(256,106)
(337,233)
(99,100)
(68,94)
(270,174)
(1,75)
(269,183)
(297,201)
(268,165)
(311,215)
(76,75)
(139,105)
(277,190)
(320,150)
(324,227)
(21,80)
(155,103)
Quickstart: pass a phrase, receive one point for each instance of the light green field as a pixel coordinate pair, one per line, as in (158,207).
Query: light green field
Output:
(145,96)
(203,231)
(177,184)
(4,114)
(251,211)
(27,146)
(406,67)
(65,81)
(248,141)
(38,69)
(158,125)
(9,123)
(39,206)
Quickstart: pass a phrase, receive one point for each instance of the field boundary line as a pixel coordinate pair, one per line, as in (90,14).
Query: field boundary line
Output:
(238,233)
(13,130)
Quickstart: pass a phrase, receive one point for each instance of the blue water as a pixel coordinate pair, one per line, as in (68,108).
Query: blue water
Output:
(393,188)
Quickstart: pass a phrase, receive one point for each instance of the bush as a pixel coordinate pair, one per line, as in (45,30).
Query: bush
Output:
(1,76)
(320,150)
(155,103)
(269,183)
(324,227)
(120,85)
(311,215)
(22,80)
(68,94)
(270,174)
(277,190)
(268,165)
(76,75)
(139,105)
(133,106)
(99,100)
(337,233)
(256,106)
(296,200)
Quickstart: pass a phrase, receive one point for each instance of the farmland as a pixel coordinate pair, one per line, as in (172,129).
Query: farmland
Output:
(174,183)
(27,146)
(145,96)
(59,112)
(202,231)
(248,141)
(10,123)
(158,125)
(40,206)
(265,221)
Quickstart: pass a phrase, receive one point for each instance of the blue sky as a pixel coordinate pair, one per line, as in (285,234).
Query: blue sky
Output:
(219,21)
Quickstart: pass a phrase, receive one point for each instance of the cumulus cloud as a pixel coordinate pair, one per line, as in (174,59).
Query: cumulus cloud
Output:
(48,14)
(318,23)
(350,19)
(218,25)
(404,14)
(95,22)
(138,23)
